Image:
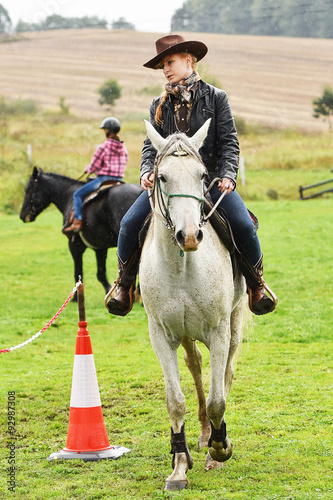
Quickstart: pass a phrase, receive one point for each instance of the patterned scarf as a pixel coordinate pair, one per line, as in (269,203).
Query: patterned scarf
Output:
(182,89)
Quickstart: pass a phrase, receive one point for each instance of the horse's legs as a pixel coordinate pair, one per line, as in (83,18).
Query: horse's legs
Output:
(193,360)
(175,402)
(77,249)
(236,337)
(101,255)
(220,448)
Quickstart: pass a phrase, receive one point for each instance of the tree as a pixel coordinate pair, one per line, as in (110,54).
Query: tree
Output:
(122,24)
(304,18)
(64,108)
(22,27)
(5,20)
(236,17)
(109,92)
(323,106)
(57,22)
(183,19)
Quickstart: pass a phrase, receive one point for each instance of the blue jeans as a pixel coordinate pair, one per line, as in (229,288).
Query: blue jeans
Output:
(89,187)
(244,230)
(242,225)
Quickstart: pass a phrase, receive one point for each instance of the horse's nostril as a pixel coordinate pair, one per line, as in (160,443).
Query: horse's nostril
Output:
(180,237)
(199,235)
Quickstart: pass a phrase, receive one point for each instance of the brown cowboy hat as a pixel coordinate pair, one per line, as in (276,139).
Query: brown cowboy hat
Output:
(172,44)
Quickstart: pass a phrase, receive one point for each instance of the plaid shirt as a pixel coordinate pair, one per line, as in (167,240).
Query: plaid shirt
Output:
(110,159)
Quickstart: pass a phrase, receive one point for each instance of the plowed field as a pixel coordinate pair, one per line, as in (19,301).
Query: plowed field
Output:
(270,80)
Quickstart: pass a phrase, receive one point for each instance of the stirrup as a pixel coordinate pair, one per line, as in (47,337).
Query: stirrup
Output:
(110,292)
(108,299)
(268,303)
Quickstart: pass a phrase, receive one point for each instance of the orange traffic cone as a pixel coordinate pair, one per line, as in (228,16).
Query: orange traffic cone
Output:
(87,437)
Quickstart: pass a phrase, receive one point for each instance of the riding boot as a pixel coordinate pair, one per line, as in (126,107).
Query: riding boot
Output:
(75,227)
(259,302)
(122,303)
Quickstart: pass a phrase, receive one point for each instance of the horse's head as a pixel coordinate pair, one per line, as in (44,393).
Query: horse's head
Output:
(179,184)
(35,199)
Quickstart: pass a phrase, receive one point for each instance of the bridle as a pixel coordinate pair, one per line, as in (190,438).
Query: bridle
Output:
(32,208)
(164,212)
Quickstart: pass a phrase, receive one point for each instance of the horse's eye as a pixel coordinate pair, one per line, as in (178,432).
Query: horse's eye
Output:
(162,178)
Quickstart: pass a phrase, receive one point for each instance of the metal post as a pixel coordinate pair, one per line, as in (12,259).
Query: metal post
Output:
(80,303)
(29,150)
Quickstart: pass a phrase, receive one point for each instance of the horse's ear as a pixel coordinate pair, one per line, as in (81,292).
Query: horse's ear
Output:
(198,138)
(36,172)
(156,139)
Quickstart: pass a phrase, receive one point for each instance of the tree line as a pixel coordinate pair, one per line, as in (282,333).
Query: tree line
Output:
(57,22)
(300,18)
(296,18)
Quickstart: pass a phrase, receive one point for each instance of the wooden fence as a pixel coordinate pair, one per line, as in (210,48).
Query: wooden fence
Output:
(318,193)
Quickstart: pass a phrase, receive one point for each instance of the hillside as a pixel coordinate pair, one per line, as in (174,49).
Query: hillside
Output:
(270,80)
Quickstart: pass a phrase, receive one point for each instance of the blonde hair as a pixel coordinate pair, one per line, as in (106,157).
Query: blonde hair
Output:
(165,94)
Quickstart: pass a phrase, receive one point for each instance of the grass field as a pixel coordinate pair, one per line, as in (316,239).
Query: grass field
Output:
(279,411)
(270,80)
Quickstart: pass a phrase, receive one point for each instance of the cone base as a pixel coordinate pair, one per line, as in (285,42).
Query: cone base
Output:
(90,456)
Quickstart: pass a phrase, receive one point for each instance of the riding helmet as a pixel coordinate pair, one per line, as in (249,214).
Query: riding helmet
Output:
(111,123)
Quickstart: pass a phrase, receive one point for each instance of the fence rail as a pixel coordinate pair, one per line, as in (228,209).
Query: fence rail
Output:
(314,195)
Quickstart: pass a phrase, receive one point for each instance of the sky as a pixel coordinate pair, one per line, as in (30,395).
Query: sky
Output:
(146,15)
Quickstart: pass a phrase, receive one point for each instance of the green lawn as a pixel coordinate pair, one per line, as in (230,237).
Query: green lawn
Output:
(280,410)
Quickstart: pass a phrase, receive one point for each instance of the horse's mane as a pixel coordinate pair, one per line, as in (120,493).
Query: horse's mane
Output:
(54,175)
(56,178)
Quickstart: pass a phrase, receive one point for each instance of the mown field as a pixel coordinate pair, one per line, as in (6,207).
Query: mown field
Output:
(270,80)
(279,411)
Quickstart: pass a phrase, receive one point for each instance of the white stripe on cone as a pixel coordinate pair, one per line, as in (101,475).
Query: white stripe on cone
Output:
(85,391)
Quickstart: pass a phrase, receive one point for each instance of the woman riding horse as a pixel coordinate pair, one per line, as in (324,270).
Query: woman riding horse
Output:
(108,163)
(186,104)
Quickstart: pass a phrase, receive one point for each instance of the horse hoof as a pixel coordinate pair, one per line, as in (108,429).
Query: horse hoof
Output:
(176,485)
(202,442)
(212,464)
(219,453)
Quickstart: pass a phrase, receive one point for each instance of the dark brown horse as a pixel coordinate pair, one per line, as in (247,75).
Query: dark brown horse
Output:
(100,217)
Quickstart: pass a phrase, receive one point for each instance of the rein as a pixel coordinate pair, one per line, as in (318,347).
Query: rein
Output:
(164,208)
(218,201)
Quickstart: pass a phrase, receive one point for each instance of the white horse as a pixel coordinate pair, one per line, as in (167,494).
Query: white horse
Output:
(189,293)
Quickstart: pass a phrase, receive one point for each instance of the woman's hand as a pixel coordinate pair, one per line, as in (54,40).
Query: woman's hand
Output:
(147,180)
(226,185)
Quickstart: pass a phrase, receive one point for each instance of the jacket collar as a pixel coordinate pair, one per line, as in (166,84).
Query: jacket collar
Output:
(201,90)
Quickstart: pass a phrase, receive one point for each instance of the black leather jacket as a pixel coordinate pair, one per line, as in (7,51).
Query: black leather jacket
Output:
(220,151)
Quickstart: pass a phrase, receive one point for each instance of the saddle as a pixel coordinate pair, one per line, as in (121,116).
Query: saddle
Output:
(90,197)
(103,187)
